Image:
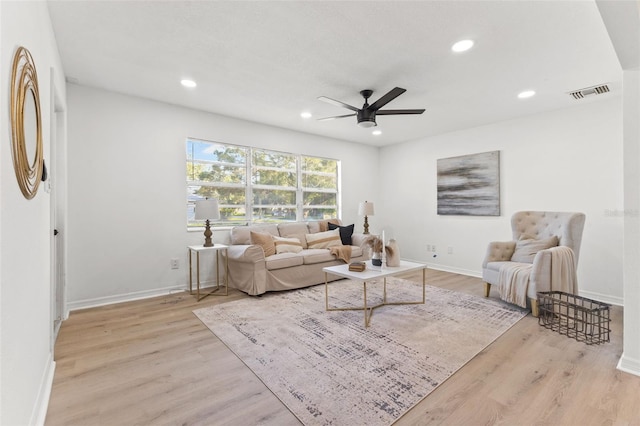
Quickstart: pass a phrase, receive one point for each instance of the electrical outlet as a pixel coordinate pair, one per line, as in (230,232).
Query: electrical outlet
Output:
(428,248)
(449,250)
(433,248)
(175,264)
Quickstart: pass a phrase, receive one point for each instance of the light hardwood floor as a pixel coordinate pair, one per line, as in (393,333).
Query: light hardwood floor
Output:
(152,362)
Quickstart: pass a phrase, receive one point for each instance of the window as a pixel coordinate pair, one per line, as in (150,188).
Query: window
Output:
(255,185)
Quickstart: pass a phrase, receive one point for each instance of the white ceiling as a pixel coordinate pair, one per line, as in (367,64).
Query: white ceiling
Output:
(267,61)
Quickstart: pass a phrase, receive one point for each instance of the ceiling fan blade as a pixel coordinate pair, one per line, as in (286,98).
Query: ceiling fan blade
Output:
(337,103)
(391,95)
(399,111)
(337,116)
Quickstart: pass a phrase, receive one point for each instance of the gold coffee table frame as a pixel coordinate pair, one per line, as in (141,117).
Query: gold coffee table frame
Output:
(372,273)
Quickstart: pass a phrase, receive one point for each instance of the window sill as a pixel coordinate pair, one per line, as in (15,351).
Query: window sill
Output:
(218,228)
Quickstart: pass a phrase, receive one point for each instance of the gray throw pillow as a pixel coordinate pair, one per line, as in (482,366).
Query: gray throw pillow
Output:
(526,249)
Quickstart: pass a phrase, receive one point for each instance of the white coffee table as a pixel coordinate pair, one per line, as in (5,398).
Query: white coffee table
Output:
(369,274)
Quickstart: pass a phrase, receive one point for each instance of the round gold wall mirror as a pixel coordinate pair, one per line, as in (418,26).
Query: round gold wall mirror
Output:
(26,123)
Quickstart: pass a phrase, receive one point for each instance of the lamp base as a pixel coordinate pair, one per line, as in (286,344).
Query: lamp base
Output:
(366,225)
(207,235)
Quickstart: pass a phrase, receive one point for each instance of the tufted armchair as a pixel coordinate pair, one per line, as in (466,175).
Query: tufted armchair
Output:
(537,227)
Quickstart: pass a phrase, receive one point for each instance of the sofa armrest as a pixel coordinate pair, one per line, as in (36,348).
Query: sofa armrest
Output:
(499,251)
(358,239)
(247,268)
(245,253)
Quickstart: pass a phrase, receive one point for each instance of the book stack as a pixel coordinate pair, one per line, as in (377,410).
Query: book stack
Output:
(357,266)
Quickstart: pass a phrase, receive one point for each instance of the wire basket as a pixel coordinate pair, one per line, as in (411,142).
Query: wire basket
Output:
(574,316)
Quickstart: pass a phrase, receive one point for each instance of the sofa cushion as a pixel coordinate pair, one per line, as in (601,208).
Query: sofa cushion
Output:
(345,232)
(294,230)
(323,240)
(527,248)
(287,245)
(314,227)
(312,256)
(495,266)
(283,260)
(242,234)
(265,241)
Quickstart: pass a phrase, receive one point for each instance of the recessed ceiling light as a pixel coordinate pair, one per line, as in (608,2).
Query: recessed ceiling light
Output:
(376,132)
(462,46)
(526,94)
(188,83)
(305,114)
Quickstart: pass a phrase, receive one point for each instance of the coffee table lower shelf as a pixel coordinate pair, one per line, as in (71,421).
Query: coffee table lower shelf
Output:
(373,273)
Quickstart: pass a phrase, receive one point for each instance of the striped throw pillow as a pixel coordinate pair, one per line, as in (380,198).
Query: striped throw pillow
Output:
(324,239)
(287,245)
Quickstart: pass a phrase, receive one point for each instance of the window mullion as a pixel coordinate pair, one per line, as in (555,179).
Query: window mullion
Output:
(338,189)
(299,191)
(249,189)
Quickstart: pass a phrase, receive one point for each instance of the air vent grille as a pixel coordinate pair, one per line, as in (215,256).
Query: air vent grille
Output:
(595,90)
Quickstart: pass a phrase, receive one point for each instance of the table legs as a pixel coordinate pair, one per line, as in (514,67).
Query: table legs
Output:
(368,310)
(219,274)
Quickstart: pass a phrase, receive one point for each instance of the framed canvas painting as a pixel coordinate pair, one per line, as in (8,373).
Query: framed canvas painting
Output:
(469,185)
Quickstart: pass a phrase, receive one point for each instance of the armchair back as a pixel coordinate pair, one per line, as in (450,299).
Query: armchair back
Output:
(566,226)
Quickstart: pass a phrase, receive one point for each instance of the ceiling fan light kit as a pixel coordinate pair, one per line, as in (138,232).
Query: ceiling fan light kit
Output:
(366,116)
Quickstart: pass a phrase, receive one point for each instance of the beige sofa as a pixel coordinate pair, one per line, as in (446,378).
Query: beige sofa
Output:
(254,273)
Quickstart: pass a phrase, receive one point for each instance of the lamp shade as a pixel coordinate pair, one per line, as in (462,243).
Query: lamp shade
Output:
(365,209)
(207,209)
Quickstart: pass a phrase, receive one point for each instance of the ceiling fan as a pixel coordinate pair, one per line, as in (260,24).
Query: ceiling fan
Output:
(366,115)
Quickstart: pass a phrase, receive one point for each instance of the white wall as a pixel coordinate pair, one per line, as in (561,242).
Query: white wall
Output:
(126,189)
(622,20)
(565,160)
(127,194)
(630,360)
(26,358)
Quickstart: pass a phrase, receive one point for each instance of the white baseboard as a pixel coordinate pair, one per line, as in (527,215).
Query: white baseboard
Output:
(451,269)
(454,270)
(600,297)
(612,300)
(629,365)
(39,413)
(119,298)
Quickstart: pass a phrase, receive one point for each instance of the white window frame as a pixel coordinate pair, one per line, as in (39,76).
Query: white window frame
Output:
(249,186)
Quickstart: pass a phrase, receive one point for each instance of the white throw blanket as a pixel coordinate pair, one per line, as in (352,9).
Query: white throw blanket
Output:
(513,280)
(513,283)
(563,270)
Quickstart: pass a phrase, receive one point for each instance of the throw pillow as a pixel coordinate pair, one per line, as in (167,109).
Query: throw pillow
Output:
(287,245)
(265,241)
(324,224)
(324,239)
(526,248)
(301,237)
(345,233)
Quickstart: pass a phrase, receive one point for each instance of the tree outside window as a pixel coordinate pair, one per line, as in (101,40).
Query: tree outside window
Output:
(256,185)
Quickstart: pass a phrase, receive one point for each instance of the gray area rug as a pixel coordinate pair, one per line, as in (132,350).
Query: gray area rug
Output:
(328,369)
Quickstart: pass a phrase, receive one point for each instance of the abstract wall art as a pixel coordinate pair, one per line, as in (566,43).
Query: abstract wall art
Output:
(469,185)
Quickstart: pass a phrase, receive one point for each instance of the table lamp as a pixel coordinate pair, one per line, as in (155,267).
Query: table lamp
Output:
(207,210)
(365,209)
